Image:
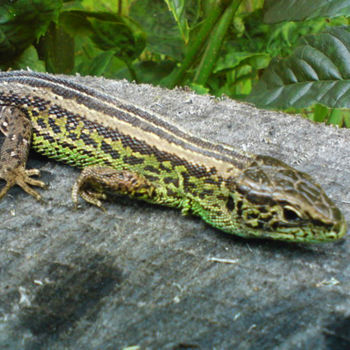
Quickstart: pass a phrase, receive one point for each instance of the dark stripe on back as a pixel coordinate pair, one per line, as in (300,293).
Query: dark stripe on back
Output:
(146,124)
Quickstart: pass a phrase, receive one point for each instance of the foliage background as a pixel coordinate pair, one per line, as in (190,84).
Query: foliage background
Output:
(283,54)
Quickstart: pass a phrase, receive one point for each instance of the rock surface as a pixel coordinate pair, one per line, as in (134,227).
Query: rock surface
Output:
(142,275)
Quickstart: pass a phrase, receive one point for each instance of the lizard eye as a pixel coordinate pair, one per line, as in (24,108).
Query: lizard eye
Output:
(290,214)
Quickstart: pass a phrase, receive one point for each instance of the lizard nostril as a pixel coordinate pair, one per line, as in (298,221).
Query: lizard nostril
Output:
(290,215)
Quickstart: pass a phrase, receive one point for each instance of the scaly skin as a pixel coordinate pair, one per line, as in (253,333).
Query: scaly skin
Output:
(125,149)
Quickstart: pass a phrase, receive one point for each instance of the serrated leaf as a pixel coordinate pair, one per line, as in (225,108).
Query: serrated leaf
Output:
(318,71)
(298,10)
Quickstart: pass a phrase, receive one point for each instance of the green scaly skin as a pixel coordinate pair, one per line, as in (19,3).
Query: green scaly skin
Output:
(125,149)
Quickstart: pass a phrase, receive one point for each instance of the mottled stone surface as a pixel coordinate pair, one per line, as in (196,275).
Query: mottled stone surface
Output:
(147,276)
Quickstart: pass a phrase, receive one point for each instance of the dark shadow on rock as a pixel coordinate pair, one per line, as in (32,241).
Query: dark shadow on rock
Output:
(70,292)
(337,333)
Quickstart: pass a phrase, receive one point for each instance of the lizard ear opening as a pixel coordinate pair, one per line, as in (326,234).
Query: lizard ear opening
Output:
(230,204)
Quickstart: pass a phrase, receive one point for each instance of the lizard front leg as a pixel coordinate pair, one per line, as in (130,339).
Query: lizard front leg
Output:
(17,129)
(94,180)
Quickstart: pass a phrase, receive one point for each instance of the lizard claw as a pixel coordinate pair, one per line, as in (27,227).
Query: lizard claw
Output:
(22,178)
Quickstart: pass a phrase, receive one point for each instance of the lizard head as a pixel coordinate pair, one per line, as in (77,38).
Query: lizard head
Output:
(269,199)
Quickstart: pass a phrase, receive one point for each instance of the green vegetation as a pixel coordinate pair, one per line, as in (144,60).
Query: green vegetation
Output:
(292,55)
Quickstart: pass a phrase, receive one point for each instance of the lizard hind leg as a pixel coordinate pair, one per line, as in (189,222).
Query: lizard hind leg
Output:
(17,128)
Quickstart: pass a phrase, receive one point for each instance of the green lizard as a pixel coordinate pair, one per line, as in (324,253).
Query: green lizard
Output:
(125,149)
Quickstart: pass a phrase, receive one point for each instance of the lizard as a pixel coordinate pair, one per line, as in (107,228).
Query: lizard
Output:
(125,149)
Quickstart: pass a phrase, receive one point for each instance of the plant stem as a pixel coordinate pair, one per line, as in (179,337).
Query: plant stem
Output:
(214,43)
(194,47)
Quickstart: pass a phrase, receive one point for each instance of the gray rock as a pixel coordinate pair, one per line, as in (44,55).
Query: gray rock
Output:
(142,275)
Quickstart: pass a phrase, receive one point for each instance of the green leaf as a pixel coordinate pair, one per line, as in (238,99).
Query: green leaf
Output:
(318,71)
(320,113)
(335,117)
(118,33)
(298,10)
(177,8)
(75,23)
(100,63)
(22,22)
(57,47)
(346,117)
(29,59)
(163,36)
(148,72)
(234,59)
(199,89)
